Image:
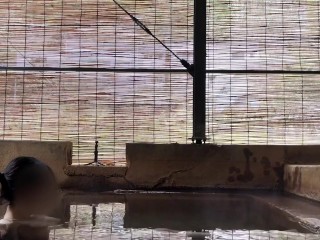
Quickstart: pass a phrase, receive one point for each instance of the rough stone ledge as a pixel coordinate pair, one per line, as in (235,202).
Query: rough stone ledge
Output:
(92,178)
(95,171)
(163,166)
(303,180)
(305,212)
(56,154)
(183,166)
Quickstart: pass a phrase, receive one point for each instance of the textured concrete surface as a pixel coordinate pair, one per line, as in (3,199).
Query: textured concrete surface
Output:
(56,154)
(306,212)
(108,172)
(303,180)
(176,166)
(307,154)
(205,166)
(94,179)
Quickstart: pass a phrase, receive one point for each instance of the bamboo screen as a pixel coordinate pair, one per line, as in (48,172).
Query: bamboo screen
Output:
(67,73)
(269,107)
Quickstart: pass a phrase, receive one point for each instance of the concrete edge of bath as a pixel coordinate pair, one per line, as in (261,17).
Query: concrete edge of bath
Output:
(57,154)
(183,166)
(303,180)
(302,210)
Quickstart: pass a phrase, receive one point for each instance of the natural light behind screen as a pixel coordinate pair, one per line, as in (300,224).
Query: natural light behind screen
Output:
(116,107)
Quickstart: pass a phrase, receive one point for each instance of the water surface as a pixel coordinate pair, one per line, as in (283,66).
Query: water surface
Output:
(176,216)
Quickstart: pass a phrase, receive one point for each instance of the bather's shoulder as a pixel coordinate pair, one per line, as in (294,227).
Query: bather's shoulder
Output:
(4,226)
(5,222)
(7,229)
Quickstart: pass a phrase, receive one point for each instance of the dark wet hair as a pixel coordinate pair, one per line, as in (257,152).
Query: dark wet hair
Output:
(23,172)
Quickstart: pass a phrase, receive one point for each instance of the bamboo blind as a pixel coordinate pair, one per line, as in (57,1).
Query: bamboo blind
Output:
(117,107)
(264,108)
(109,106)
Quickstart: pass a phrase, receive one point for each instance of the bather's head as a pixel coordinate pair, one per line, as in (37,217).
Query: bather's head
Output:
(29,186)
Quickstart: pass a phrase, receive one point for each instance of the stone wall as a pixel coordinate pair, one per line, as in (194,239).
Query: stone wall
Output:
(303,180)
(170,166)
(155,166)
(56,154)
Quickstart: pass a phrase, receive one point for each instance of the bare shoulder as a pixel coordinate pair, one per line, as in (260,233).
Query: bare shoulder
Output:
(4,226)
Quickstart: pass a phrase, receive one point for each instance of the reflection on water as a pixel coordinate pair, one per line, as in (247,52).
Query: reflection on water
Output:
(175,216)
